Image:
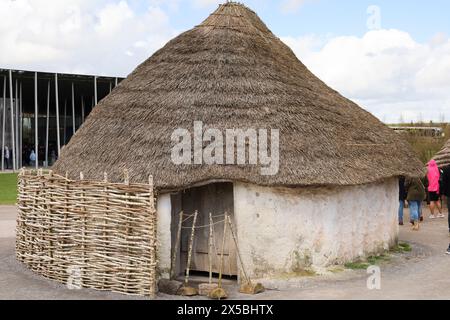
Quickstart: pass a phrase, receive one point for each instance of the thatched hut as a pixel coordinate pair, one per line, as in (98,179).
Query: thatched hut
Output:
(443,156)
(335,195)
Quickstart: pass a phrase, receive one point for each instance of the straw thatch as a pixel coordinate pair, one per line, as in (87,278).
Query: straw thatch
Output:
(232,72)
(443,157)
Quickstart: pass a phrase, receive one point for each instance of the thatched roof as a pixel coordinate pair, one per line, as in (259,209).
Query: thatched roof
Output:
(232,72)
(443,157)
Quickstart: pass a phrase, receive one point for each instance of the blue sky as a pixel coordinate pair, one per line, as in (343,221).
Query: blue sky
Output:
(397,69)
(422,19)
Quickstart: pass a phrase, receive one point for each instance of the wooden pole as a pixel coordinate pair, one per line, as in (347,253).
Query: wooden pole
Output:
(233,234)
(36,120)
(73,109)
(47,125)
(191,245)
(13,138)
(58,135)
(175,249)
(223,249)
(4,123)
(210,247)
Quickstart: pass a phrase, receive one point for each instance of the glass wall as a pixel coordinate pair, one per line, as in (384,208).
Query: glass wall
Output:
(76,99)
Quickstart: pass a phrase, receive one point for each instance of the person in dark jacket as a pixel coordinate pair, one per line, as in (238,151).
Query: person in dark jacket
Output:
(415,195)
(401,198)
(445,184)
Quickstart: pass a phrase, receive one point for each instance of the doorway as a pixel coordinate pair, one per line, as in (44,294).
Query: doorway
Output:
(215,199)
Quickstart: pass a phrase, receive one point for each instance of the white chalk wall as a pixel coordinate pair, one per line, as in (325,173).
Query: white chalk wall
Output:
(285,231)
(164,218)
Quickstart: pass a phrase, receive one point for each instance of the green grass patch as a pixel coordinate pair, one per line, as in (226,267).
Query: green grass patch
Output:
(370,261)
(376,260)
(402,247)
(8,188)
(357,265)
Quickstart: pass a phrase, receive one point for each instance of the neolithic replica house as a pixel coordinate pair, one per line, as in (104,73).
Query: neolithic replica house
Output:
(332,198)
(443,157)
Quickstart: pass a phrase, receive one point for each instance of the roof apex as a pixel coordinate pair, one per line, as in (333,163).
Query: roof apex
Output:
(234,15)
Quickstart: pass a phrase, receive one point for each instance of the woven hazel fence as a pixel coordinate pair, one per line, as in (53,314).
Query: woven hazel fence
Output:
(88,234)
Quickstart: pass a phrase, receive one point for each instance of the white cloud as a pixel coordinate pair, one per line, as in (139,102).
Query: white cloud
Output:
(102,37)
(385,71)
(207,3)
(292,6)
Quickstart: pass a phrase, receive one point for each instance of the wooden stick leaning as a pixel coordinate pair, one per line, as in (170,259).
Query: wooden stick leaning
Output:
(186,290)
(248,287)
(223,250)
(177,244)
(191,245)
(210,247)
(228,220)
(220,293)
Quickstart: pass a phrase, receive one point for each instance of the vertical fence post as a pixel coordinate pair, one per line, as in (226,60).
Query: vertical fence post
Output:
(154,243)
(84,227)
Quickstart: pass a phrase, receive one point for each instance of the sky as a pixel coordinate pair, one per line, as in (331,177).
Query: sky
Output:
(390,57)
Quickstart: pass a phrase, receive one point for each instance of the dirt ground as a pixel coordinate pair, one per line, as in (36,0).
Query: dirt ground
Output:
(422,273)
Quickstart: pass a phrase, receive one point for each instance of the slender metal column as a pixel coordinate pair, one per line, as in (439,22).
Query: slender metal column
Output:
(16,111)
(13,138)
(73,109)
(58,134)
(65,122)
(47,125)
(4,123)
(82,109)
(116,82)
(36,120)
(20,125)
(95,91)
(110,87)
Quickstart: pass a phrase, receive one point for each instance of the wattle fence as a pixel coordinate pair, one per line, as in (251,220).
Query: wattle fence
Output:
(88,234)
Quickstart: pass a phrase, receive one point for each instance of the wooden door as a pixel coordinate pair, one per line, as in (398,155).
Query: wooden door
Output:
(215,199)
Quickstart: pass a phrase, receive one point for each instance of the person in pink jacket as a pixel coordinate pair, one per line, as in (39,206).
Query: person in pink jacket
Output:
(433,176)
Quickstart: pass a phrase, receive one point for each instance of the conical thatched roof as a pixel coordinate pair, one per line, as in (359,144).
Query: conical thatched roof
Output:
(232,72)
(443,157)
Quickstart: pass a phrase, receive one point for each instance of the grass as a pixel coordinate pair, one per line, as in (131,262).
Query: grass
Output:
(427,147)
(297,274)
(402,247)
(8,188)
(370,261)
(357,265)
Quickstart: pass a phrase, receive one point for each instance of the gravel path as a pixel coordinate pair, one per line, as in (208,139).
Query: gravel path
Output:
(423,273)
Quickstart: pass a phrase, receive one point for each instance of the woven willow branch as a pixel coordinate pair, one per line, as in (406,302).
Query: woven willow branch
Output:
(107,232)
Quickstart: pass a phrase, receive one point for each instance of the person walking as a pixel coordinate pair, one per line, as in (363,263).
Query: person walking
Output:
(445,185)
(32,158)
(401,198)
(433,176)
(7,157)
(415,195)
